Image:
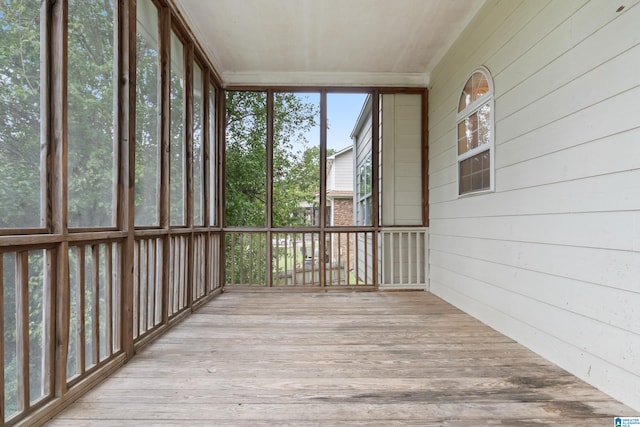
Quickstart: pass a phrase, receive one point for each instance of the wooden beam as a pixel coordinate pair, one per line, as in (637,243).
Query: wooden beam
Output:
(425,158)
(375,185)
(165,135)
(126,134)
(189,188)
(221,108)
(322,220)
(57,115)
(269,187)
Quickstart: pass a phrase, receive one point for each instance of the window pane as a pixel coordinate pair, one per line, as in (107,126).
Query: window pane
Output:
(462,138)
(246,168)
(147,115)
(177,161)
(484,124)
(468,139)
(465,98)
(91,114)
(296,159)
(474,89)
(475,173)
(20,165)
(480,85)
(198,177)
(213,157)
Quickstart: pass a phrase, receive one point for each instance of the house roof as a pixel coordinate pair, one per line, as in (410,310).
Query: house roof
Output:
(326,42)
(339,193)
(340,153)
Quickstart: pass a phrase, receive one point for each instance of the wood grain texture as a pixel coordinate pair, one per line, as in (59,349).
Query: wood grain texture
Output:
(357,359)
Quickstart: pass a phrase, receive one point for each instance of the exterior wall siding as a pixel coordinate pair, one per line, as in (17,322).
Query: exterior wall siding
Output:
(343,170)
(552,257)
(401,164)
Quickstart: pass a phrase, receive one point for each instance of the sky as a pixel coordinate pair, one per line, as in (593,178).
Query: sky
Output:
(342,112)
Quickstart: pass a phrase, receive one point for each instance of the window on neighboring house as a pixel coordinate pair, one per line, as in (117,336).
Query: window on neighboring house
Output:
(365,185)
(475,134)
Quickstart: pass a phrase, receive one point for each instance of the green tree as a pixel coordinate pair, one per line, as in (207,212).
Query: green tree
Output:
(295,174)
(20,114)
(91,113)
(91,152)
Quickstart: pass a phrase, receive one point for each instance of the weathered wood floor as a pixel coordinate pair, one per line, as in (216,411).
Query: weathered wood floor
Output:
(342,359)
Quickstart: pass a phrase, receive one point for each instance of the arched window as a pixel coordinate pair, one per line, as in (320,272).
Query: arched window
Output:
(475,134)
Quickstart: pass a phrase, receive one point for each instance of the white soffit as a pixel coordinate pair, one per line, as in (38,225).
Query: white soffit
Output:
(326,42)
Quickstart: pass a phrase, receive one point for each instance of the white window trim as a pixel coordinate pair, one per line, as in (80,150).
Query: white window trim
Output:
(467,112)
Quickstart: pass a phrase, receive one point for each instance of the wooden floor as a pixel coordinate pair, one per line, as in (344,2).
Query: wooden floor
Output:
(338,359)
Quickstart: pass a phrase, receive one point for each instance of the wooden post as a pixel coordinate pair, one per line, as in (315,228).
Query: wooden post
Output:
(269,188)
(323,190)
(221,107)
(375,184)
(57,115)
(425,158)
(165,129)
(125,123)
(188,142)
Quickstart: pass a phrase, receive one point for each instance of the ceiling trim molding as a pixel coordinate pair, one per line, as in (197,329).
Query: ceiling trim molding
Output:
(333,79)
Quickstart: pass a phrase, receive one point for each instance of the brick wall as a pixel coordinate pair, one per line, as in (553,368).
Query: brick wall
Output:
(343,215)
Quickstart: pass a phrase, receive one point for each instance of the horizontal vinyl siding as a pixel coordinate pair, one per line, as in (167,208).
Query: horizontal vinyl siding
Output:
(343,169)
(401,159)
(552,257)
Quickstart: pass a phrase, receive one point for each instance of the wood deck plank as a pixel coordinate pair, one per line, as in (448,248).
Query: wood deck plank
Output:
(343,359)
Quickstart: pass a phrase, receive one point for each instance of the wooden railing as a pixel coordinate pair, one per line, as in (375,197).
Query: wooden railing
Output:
(294,258)
(192,272)
(26,305)
(172,271)
(95,305)
(63,307)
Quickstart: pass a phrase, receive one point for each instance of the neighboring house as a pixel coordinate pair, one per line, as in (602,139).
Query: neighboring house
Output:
(340,187)
(340,201)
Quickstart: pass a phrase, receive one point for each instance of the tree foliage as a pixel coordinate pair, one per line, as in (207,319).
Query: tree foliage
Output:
(295,163)
(20,114)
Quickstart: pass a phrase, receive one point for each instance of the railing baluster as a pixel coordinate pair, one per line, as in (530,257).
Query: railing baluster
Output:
(117,295)
(171,278)
(108,301)
(294,264)
(80,339)
(95,303)
(251,280)
(147,259)
(183,265)
(365,243)
(136,290)
(152,270)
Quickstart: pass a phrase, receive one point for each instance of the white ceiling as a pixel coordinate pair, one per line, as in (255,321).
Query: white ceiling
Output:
(326,42)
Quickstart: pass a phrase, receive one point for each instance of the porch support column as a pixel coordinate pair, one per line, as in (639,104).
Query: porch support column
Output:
(269,188)
(322,250)
(375,178)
